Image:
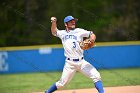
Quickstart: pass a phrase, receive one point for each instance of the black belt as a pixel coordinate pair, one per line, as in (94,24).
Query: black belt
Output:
(75,59)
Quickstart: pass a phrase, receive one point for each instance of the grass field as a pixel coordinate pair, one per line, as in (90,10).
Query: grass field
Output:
(31,82)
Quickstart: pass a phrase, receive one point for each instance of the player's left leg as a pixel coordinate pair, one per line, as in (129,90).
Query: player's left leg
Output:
(51,89)
(91,72)
(99,86)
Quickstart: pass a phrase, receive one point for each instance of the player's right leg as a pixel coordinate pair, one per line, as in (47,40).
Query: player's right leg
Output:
(67,74)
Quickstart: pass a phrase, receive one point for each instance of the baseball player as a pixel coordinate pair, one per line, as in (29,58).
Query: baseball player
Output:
(73,51)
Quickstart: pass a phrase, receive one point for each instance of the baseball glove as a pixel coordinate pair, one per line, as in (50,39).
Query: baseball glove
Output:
(86,44)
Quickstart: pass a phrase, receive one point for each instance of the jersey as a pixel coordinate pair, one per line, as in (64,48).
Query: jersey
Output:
(70,41)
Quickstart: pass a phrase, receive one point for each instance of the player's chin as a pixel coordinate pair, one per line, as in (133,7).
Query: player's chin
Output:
(73,26)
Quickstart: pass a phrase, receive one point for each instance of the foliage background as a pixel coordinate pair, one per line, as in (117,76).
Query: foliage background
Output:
(27,22)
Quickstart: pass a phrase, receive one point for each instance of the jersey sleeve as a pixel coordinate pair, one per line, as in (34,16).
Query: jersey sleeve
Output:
(85,33)
(58,33)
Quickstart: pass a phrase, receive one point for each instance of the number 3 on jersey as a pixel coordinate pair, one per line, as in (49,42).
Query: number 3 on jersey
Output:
(74,44)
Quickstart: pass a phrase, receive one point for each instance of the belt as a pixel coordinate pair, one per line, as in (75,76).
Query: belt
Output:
(75,59)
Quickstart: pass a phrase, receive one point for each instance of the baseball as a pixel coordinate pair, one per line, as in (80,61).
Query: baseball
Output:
(53,18)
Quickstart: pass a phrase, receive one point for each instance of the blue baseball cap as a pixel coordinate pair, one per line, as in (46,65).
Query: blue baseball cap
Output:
(68,18)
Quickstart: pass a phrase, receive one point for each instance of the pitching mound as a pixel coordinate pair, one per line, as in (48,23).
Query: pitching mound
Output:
(122,89)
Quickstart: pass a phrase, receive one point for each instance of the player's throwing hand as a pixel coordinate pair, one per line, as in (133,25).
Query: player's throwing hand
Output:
(53,19)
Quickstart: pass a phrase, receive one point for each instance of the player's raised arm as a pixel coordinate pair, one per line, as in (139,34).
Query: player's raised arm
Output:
(54,25)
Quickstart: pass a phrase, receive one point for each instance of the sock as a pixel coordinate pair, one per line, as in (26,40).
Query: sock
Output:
(99,86)
(51,89)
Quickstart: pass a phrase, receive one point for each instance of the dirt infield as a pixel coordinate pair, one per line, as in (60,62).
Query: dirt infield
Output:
(125,89)
(122,89)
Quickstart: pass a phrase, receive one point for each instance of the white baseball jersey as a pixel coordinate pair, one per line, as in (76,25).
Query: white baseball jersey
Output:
(70,41)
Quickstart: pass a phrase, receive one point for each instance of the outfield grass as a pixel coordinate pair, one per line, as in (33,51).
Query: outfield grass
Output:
(29,82)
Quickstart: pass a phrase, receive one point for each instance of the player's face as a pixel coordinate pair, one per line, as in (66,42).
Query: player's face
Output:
(71,24)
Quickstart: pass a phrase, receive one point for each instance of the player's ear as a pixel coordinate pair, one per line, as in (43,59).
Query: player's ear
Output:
(66,25)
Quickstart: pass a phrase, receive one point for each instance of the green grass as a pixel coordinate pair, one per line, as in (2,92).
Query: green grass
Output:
(29,82)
